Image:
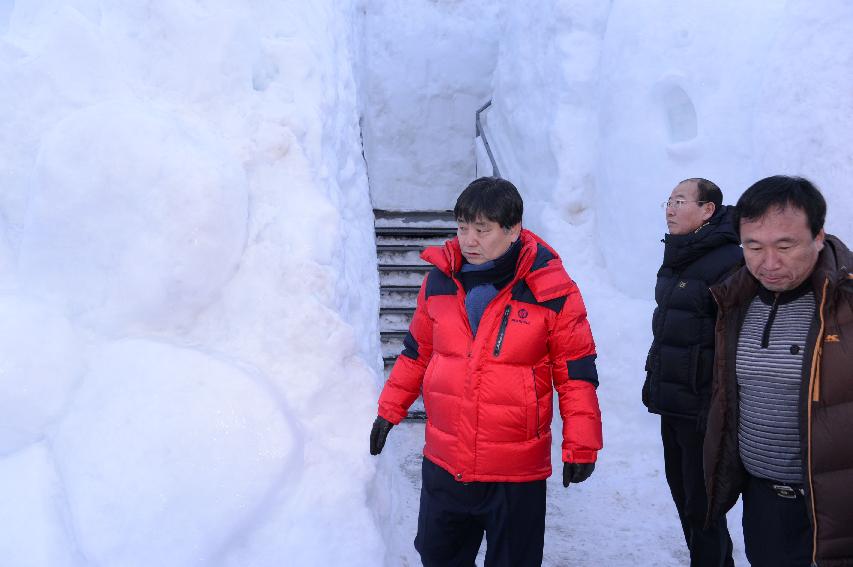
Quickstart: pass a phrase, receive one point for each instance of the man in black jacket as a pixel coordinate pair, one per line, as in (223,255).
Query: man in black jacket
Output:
(699,251)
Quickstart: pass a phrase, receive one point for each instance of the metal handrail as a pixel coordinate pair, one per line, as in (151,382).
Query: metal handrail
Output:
(480,133)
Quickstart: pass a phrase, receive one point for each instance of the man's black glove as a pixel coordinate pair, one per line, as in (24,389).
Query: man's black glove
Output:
(378,434)
(576,472)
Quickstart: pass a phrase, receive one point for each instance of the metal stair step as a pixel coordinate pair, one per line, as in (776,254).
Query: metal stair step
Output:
(397,311)
(420,268)
(419,231)
(412,240)
(399,248)
(408,218)
(395,321)
(391,343)
(392,335)
(401,277)
(404,257)
(398,295)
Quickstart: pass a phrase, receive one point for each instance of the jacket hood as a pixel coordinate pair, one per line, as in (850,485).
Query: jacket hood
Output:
(683,249)
(835,262)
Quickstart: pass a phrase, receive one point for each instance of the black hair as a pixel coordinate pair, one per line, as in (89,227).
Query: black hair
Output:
(491,198)
(781,192)
(707,191)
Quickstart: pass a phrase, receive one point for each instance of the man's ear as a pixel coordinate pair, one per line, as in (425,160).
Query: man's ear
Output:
(515,231)
(708,210)
(820,240)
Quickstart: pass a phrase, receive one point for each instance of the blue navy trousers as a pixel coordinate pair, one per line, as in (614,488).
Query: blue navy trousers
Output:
(776,529)
(454,516)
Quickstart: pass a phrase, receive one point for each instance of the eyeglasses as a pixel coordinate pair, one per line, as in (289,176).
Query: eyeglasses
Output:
(678,203)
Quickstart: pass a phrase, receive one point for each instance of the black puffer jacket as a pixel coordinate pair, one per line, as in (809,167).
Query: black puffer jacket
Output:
(679,366)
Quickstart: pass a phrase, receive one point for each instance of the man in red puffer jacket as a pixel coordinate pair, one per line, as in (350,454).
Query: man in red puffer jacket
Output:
(498,326)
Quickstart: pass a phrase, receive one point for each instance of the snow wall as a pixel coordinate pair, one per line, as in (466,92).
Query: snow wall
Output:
(427,68)
(187,373)
(601,108)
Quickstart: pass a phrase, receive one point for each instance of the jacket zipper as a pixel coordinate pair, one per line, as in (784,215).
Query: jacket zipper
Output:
(536,400)
(814,397)
(500,340)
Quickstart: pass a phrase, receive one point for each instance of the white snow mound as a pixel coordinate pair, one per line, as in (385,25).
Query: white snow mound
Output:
(168,453)
(138,217)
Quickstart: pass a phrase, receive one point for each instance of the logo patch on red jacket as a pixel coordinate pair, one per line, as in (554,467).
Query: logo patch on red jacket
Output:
(522,313)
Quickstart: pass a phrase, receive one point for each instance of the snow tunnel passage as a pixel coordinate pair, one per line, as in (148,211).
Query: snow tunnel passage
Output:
(427,67)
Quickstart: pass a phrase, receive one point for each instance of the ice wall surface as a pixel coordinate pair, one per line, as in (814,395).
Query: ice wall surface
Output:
(184,208)
(427,68)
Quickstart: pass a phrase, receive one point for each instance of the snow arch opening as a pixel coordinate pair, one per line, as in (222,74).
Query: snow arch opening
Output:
(680,115)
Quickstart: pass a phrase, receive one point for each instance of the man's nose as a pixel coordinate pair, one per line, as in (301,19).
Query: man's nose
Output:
(772,260)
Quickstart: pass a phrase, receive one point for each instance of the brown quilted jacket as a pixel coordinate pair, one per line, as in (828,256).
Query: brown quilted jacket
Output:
(826,404)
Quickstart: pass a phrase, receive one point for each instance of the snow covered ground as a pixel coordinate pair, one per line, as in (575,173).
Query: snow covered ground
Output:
(189,359)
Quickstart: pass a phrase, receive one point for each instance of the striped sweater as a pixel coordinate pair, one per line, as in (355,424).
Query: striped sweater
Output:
(769,377)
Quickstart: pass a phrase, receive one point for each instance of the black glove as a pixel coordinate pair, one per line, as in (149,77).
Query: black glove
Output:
(378,434)
(576,472)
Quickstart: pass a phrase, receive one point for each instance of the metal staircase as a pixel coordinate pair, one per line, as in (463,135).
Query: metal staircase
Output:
(400,239)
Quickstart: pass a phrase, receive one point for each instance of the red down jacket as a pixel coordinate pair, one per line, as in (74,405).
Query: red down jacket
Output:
(489,398)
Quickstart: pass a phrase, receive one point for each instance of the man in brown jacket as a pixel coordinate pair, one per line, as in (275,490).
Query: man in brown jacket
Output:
(780,426)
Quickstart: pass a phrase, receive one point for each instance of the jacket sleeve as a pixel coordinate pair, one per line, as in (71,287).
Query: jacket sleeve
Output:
(572,353)
(404,383)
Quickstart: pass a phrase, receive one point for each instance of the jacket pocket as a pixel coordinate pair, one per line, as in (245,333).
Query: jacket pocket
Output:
(694,369)
(535,400)
(426,385)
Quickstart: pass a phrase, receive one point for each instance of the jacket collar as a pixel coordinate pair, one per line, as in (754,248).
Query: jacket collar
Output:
(834,264)
(546,281)
(449,259)
(683,249)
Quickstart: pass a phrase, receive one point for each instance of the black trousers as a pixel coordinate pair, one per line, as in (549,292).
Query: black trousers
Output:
(682,455)
(776,529)
(453,517)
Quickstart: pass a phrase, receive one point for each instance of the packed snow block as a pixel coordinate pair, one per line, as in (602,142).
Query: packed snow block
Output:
(34,531)
(137,219)
(168,454)
(40,365)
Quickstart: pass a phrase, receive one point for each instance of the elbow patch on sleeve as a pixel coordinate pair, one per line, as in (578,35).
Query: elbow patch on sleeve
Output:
(410,346)
(584,369)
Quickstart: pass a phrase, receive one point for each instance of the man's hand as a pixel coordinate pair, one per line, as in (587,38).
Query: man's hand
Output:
(576,472)
(379,433)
